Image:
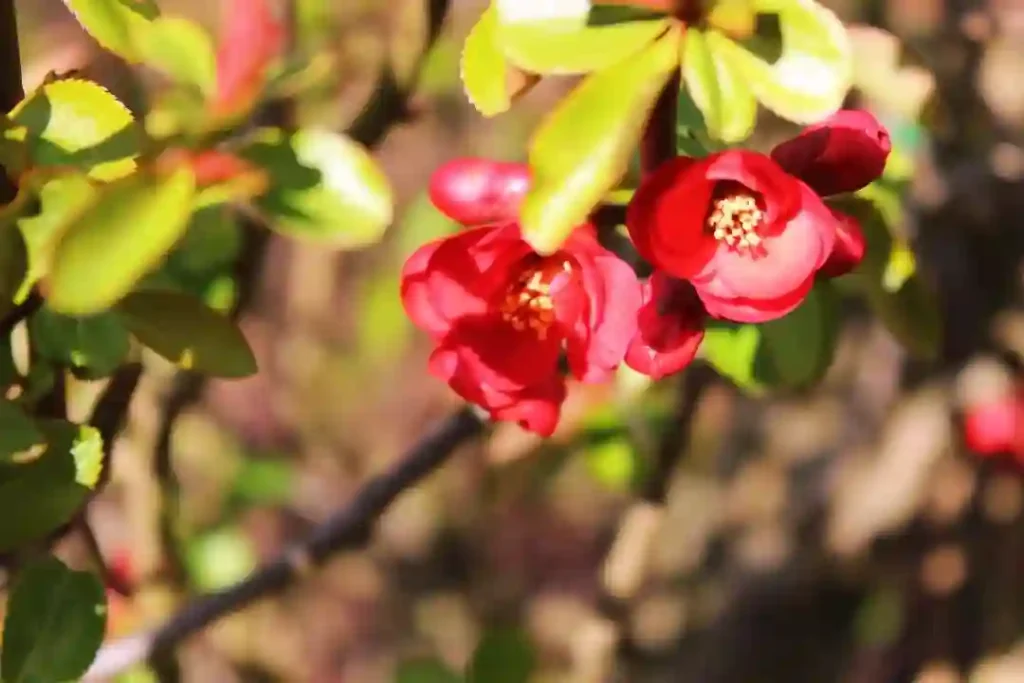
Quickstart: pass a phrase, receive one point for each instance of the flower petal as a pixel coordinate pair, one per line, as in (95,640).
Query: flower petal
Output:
(479,191)
(849,247)
(757,172)
(841,154)
(782,264)
(670,328)
(666,217)
(744,310)
(537,408)
(494,354)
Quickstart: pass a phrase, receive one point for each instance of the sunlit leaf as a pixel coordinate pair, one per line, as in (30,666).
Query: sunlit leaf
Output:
(220,558)
(723,96)
(324,187)
(583,148)
(118,238)
(120,26)
(183,51)
(55,621)
(60,199)
(18,432)
(182,329)
(92,346)
(733,351)
(552,41)
(78,124)
(485,73)
(813,71)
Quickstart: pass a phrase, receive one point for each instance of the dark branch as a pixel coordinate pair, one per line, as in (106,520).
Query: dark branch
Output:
(348,528)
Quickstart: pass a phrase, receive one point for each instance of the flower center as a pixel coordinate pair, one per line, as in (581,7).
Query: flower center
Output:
(527,303)
(734,219)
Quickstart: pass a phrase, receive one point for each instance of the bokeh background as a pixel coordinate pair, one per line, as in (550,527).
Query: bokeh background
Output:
(840,534)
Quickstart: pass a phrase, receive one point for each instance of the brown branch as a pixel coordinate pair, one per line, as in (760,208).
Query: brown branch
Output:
(348,528)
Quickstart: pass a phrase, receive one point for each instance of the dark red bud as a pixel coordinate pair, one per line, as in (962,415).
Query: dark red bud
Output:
(849,248)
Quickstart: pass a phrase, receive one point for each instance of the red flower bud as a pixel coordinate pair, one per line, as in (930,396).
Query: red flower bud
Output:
(670,327)
(250,39)
(841,154)
(992,427)
(849,248)
(479,191)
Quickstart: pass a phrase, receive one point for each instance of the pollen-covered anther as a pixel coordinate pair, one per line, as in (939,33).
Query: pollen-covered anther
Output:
(734,220)
(527,303)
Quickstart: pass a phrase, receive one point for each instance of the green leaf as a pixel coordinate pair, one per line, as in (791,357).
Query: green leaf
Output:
(119,237)
(60,199)
(502,656)
(182,50)
(93,346)
(425,671)
(219,559)
(211,244)
(583,148)
(732,349)
(813,72)
(120,26)
(888,276)
(724,98)
(568,43)
(14,265)
(483,68)
(38,497)
(78,124)
(18,432)
(800,346)
(55,621)
(182,329)
(323,187)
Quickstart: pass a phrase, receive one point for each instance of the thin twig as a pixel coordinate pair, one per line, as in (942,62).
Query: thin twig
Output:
(348,528)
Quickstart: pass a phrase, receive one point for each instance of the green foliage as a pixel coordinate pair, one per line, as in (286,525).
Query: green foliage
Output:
(182,329)
(92,347)
(120,26)
(484,68)
(219,558)
(18,432)
(40,495)
(714,82)
(791,352)
(14,265)
(122,234)
(583,148)
(425,671)
(54,625)
(183,51)
(570,44)
(503,655)
(76,124)
(324,187)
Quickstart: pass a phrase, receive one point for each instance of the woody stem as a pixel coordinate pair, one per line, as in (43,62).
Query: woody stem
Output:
(658,143)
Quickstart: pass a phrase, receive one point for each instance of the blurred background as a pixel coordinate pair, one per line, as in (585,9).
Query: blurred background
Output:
(841,534)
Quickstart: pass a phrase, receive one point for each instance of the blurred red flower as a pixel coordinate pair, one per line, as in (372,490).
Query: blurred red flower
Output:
(250,39)
(670,327)
(996,426)
(502,315)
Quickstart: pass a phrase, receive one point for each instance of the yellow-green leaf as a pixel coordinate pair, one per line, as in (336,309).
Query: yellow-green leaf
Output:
(563,42)
(59,199)
(118,25)
(323,187)
(182,50)
(814,70)
(117,238)
(581,151)
(79,124)
(483,68)
(185,331)
(14,260)
(723,96)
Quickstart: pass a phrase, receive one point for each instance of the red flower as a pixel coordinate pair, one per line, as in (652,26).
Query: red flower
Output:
(670,327)
(503,316)
(996,426)
(751,233)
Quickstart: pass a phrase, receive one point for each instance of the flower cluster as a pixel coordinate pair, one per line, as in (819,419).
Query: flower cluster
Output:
(737,235)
